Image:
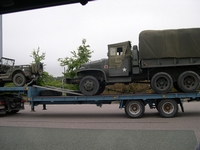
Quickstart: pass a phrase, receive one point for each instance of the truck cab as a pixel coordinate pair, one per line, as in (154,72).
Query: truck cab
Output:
(119,59)
(93,76)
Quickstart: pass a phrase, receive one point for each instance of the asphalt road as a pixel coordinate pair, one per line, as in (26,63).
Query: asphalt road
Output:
(92,127)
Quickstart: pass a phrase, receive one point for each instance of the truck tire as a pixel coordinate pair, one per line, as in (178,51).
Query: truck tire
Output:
(188,81)
(177,87)
(134,109)
(19,79)
(101,89)
(89,86)
(161,82)
(168,108)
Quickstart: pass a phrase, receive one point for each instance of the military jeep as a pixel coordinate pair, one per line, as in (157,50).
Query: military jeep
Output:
(19,74)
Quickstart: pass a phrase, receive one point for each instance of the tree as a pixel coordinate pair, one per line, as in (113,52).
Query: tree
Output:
(37,57)
(82,55)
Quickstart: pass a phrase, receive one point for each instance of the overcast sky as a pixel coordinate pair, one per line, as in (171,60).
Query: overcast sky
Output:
(59,30)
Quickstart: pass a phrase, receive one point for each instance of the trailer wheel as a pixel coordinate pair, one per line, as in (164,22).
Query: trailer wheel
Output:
(188,81)
(161,82)
(134,109)
(168,108)
(13,112)
(89,85)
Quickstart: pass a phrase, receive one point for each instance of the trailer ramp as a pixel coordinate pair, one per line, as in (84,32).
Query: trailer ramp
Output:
(56,89)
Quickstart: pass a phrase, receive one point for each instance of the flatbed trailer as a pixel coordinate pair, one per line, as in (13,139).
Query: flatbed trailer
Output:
(133,104)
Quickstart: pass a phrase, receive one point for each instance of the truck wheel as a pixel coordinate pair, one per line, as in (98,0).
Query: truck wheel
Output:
(177,87)
(134,109)
(101,89)
(167,108)
(188,81)
(89,85)
(161,82)
(19,79)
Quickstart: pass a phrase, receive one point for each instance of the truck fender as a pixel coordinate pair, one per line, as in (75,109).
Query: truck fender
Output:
(93,70)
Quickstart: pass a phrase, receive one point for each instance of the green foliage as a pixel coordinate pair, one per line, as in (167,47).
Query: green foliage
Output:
(37,57)
(10,84)
(82,55)
(42,80)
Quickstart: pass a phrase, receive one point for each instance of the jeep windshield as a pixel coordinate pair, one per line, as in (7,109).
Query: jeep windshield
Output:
(7,61)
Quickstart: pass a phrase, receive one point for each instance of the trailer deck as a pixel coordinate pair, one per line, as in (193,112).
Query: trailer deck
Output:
(134,104)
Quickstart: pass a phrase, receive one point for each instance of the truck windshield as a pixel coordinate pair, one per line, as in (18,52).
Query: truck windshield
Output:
(116,51)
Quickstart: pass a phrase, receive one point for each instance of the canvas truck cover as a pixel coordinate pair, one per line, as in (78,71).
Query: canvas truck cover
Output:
(179,43)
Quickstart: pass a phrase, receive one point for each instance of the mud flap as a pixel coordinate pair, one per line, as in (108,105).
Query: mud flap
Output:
(181,104)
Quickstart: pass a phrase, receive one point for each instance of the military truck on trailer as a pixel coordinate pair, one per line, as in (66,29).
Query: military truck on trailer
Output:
(165,58)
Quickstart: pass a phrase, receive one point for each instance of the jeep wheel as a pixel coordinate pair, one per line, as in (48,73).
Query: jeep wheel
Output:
(19,79)
(89,85)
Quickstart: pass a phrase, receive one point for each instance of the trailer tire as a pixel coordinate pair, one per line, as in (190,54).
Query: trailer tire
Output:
(161,82)
(168,108)
(13,112)
(89,86)
(188,81)
(134,109)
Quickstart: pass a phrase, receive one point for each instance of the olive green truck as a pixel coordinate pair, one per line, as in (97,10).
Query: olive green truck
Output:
(163,58)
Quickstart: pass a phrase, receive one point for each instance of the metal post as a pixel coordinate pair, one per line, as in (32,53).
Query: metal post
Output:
(44,107)
(1,37)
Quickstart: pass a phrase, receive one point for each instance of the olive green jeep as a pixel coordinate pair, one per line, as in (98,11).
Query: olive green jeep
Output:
(19,74)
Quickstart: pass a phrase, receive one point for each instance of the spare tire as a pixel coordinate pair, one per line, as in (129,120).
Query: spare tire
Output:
(33,68)
(37,68)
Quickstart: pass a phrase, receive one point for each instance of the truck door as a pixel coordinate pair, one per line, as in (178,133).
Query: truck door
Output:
(119,61)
